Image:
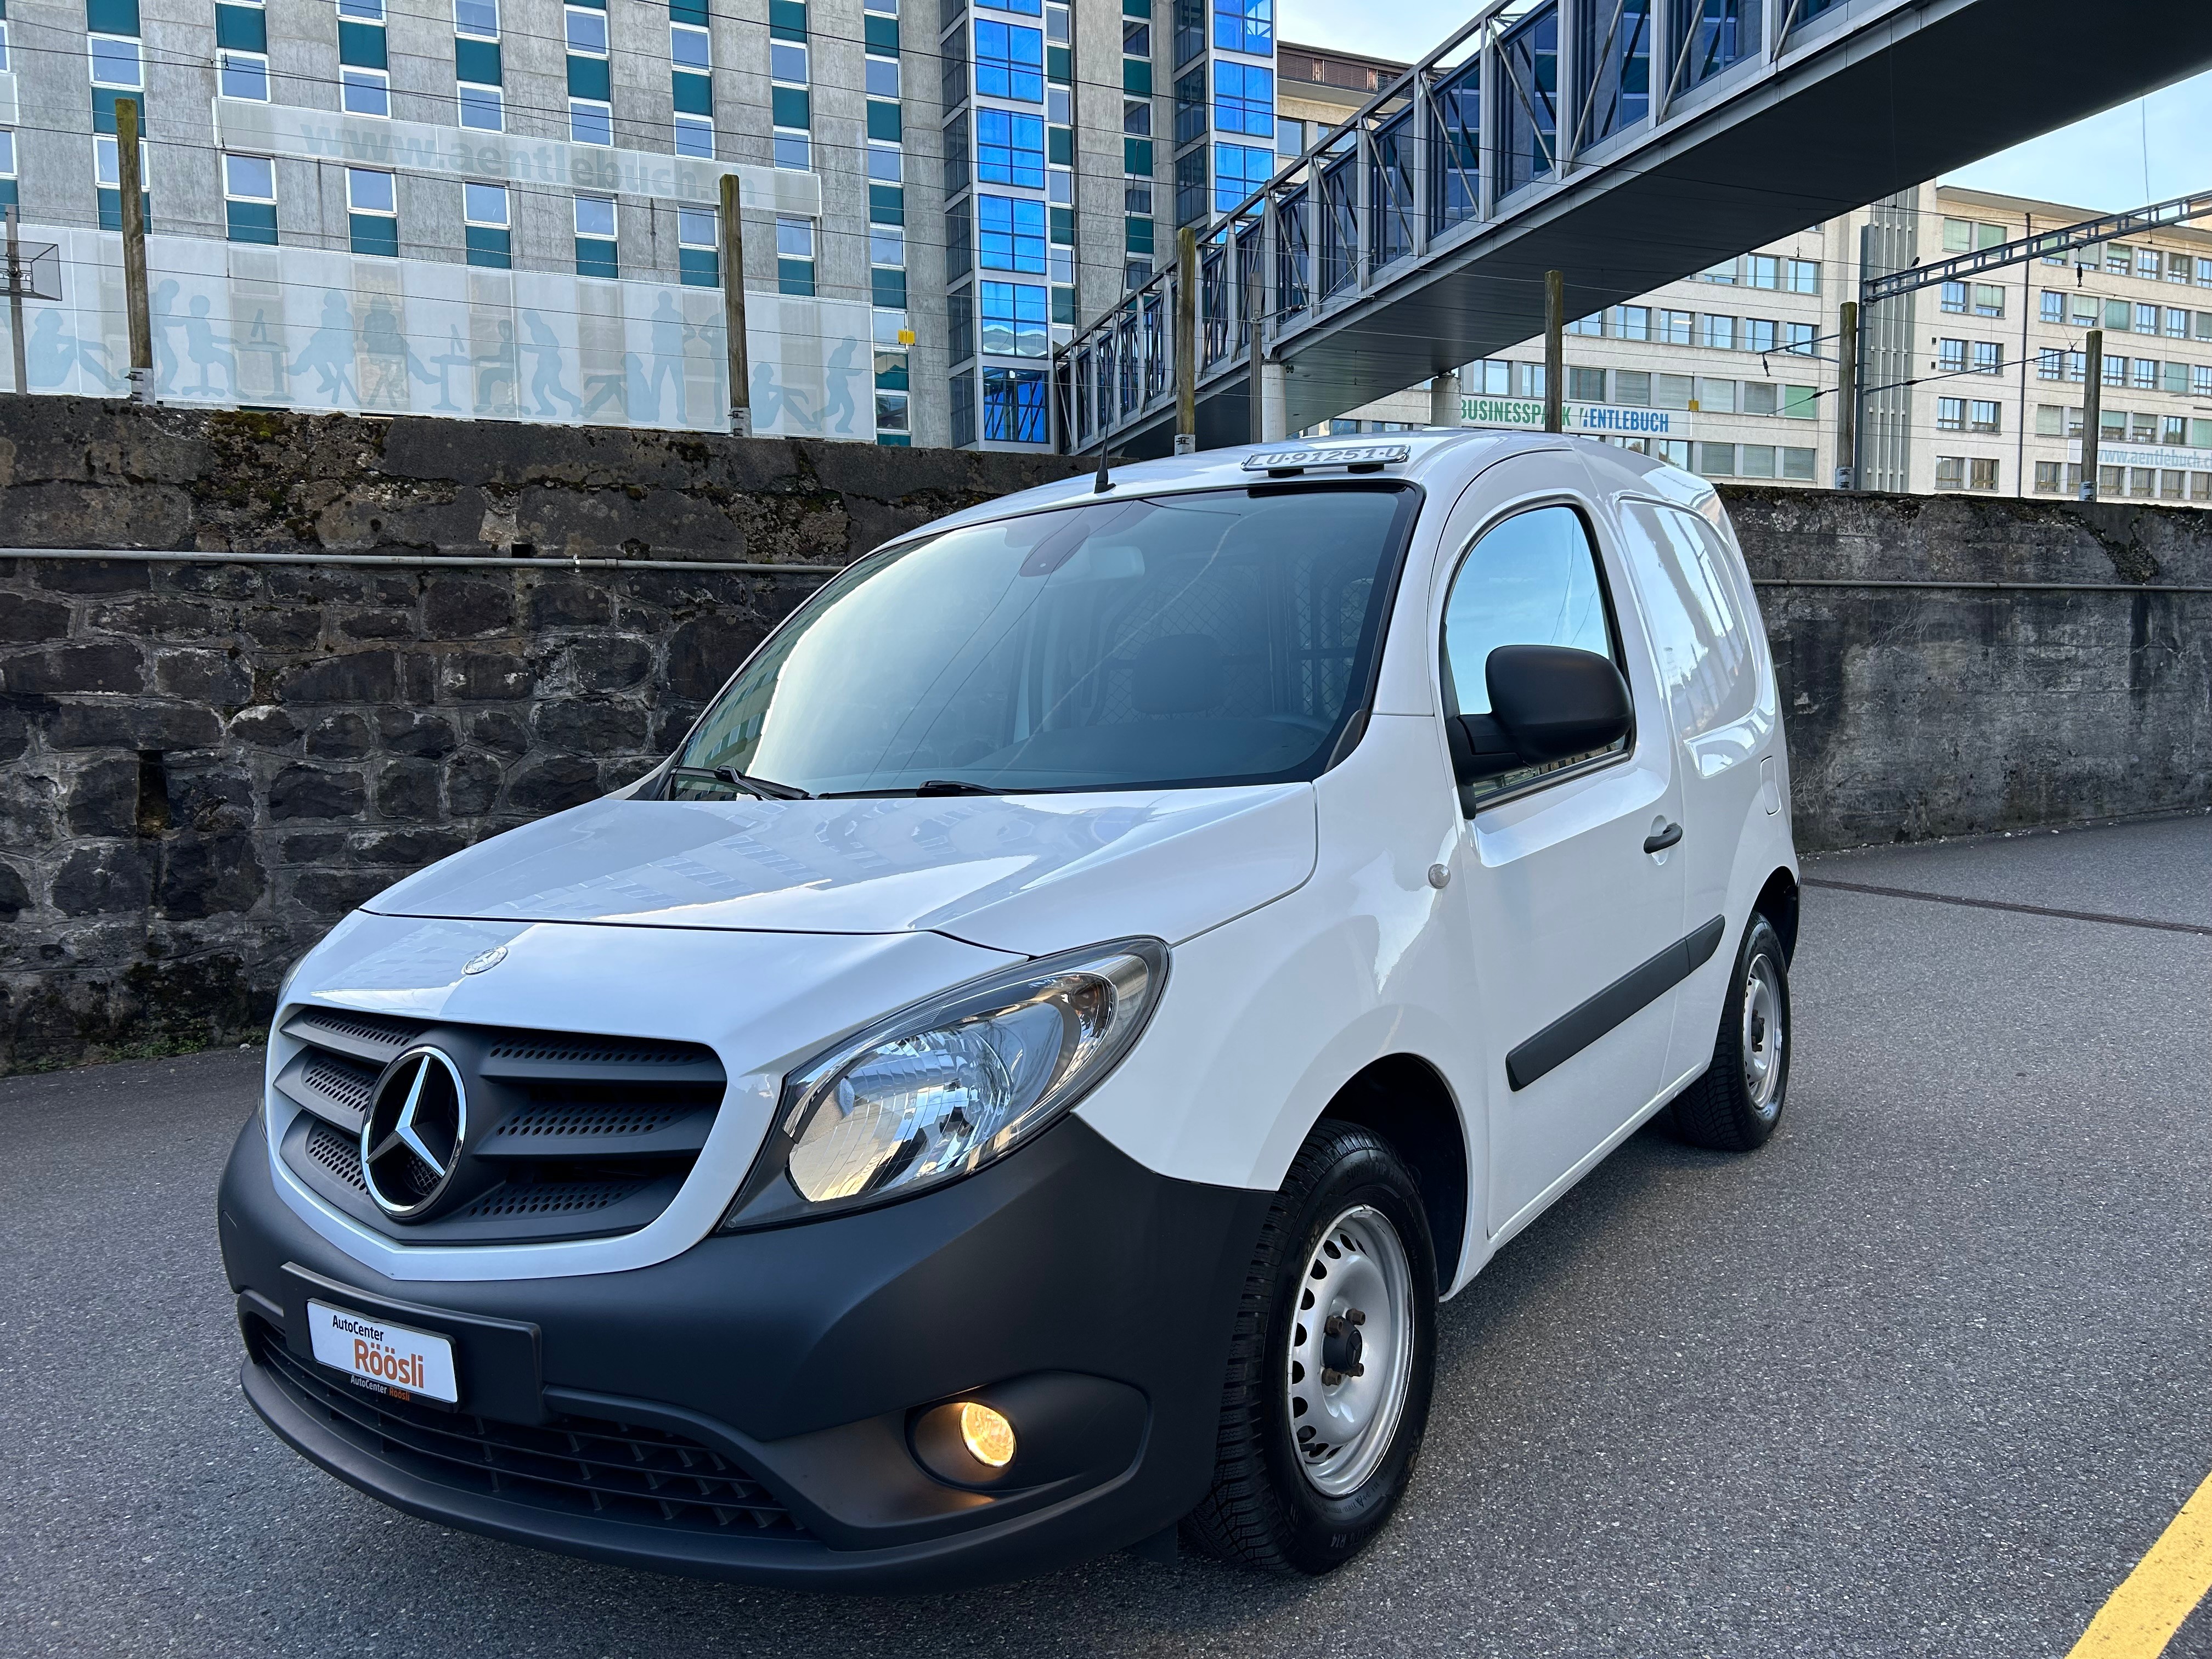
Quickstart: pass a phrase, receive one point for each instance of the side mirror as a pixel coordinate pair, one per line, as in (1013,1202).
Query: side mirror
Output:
(1547,702)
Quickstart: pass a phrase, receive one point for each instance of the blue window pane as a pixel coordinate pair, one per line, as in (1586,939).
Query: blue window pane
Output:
(1009,62)
(1010,233)
(1245,26)
(1014,405)
(1027,8)
(1009,148)
(1244,99)
(1238,170)
(1016,318)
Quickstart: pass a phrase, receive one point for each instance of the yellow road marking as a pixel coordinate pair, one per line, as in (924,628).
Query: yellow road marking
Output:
(2167,1584)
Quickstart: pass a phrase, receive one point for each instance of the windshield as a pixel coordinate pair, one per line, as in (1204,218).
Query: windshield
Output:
(1221,636)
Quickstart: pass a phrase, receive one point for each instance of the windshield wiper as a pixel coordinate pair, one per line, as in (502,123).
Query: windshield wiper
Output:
(957,786)
(759,788)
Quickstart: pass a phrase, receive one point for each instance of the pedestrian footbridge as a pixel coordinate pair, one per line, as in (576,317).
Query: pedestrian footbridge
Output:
(1626,142)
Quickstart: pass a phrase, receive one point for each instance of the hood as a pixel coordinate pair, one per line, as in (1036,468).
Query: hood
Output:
(1027,873)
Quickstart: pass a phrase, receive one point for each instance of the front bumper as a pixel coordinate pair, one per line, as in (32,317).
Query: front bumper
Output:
(752,1400)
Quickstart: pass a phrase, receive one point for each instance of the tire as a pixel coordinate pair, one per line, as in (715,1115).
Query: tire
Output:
(1346,1233)
(1734,1106)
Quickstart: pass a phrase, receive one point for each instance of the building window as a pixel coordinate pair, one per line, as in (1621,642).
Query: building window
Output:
(1989,357)
(1760,334)
(1014,319)
(2049,478)
(485,231)
(586,29)
(1982,472)
(698,259)
(243,74)
(2145,377)
(1955,298)
(1951,413)
(1717,461)
(1717,332)
(249,190)
(1011,234)
(1982,415)
(476,18)
(115,62)
(694,135)
(1951,356)
(372,213)
(1013,406)
(2147,264)
(1631,322)
(690,48)
(1244,99)
(1674,327)
(794,257)
(1245,26)
(1988,299)
(2054,306)
(1586,386)
(1239,171)
(597,252)
(1009,148)
(483,108)
(365,92)
(1950,472)
(1592,326)
(591,122)
(1009,62)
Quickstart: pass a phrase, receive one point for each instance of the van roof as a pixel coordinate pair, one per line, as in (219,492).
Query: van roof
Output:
(1451,451)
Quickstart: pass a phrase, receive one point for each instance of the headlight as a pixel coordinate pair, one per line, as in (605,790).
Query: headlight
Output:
(941,1089)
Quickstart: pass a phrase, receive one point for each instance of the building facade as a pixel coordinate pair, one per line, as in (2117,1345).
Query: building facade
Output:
(510,207)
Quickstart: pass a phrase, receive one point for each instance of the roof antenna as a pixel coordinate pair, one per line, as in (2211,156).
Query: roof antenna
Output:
(1103,483)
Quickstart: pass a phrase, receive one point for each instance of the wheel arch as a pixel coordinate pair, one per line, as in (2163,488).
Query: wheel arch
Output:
(1777,902)
(1405,1099)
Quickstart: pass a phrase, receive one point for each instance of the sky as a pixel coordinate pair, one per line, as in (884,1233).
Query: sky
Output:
(2099,164)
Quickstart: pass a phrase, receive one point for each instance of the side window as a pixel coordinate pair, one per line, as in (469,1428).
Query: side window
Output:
(1700,625)
(1532,580)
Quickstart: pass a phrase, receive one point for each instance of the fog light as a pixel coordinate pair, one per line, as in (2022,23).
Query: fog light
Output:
(988,1435)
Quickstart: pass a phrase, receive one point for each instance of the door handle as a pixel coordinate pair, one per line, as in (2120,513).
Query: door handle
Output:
(1660,840)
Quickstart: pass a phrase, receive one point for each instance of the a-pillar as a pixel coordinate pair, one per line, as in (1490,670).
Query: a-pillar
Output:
(1443,399)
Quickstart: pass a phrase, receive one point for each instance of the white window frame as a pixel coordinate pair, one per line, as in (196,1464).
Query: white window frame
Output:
(391,182)
(106,167)
(378,81)
(481,96)
(592,103)
(612,232)
(362,11)
(687,220)
(705,43)
(137,53)
(793,148)
(464,29)
(693,124)
(782,49)
(570,16)
(469,215)
(258,60)
(232,193)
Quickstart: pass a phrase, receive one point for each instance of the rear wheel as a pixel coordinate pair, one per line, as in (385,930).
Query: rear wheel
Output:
(1331,1364)
(1734,1106)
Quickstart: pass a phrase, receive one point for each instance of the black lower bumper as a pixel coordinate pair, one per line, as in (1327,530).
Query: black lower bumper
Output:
(747,1410)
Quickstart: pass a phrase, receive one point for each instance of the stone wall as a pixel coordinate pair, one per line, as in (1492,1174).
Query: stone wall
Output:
(203,765)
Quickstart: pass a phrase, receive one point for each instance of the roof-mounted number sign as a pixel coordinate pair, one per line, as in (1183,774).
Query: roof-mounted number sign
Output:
(1277,460)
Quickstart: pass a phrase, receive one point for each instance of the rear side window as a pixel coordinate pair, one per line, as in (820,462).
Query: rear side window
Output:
(1699,620)
(1532,580)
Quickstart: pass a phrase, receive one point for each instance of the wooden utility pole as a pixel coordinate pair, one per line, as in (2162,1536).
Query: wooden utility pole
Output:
(1555,350)
(1847,397)
(21,382)
(1185,341)
(733,307)
(2093,413)
(132,195)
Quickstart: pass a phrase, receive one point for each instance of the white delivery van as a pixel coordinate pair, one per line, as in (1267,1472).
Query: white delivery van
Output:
(1020,1077)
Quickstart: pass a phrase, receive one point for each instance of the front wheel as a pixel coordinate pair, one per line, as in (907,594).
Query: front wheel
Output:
(1331,1364)
(1734,1106)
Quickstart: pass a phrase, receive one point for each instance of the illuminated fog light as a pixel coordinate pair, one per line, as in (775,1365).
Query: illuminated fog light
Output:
(988,1435)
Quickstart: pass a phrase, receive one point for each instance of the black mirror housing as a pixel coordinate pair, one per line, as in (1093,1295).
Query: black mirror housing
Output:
(1553,702)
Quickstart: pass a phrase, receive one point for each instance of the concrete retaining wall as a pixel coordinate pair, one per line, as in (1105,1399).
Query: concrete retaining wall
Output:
(202,766)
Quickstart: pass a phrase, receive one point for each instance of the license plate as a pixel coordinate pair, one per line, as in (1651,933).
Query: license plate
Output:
(401,1360)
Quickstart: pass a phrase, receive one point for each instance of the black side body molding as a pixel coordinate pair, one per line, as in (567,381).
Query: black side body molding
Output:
(1575,1030)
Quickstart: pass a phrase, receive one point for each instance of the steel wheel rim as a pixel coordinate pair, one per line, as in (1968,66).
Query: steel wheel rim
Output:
(1765,1035)
(1343,1429)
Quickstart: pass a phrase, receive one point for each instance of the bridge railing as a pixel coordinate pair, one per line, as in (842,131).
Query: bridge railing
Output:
(1504,113)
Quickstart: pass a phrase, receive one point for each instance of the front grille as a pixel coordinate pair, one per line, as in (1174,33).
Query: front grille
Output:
(550,1198)
(577,1465)
(570,1135)
(338,1152)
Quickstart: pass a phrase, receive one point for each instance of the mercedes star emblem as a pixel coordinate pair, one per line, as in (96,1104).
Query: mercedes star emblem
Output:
(417,1121)
(484,959)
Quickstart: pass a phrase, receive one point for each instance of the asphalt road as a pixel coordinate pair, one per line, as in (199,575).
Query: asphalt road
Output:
(1926,1376)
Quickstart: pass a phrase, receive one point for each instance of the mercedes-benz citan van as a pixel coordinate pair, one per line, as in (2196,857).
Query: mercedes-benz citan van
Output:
(1018,1079)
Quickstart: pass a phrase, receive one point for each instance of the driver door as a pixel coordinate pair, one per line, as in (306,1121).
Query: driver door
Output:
(1572,922)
